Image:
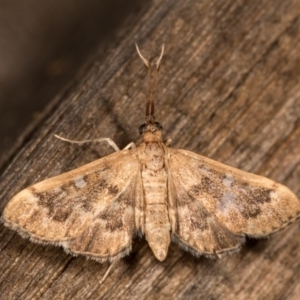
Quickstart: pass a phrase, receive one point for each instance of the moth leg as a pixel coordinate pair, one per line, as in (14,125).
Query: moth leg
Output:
(107,272)
(130,145)
(108,140)
(168,142)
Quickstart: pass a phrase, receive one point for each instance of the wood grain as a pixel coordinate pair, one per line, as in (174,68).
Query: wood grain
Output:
(228,89)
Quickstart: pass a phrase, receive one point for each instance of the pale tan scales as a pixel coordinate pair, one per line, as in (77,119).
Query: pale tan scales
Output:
(154,178)
(206,207)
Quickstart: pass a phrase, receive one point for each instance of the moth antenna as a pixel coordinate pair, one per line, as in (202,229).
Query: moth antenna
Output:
(157,65)
(145,61)
(149,88)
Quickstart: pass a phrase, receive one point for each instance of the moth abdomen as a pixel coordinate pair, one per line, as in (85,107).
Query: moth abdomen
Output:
(157,229)
(157,225)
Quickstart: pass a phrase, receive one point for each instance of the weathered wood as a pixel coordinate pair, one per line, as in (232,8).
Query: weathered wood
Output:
(228,89)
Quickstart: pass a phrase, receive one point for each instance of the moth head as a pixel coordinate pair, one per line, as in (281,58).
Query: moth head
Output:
(150,127)
(151,131)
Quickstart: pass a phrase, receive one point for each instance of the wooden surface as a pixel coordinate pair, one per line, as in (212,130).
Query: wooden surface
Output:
(42,46)
(228,89)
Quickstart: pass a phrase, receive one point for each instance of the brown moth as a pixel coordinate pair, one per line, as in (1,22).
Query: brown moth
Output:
(165,194)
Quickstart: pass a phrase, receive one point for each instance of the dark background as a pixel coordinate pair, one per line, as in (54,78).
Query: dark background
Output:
(42,46)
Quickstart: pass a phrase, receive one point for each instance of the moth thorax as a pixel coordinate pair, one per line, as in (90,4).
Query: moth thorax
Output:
(154,160)
(150,137)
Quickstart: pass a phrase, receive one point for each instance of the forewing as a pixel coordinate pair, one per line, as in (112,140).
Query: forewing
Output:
(88,211)
(215,205)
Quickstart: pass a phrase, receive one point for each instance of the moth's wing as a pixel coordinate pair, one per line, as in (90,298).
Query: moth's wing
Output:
(213,206)
(88,211)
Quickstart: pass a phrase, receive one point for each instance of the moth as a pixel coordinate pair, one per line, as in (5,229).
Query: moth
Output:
(165,194)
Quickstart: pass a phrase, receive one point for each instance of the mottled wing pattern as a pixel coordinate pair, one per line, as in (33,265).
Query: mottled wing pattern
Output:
(214,206)
(89,211)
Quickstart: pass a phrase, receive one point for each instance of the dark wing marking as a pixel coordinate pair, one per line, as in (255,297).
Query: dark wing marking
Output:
(88,211)
(215,205)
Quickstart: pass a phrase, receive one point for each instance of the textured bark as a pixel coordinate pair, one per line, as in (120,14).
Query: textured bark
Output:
(228,89)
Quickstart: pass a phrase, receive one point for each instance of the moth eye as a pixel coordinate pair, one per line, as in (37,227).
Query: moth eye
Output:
(158,126)
(142,128)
